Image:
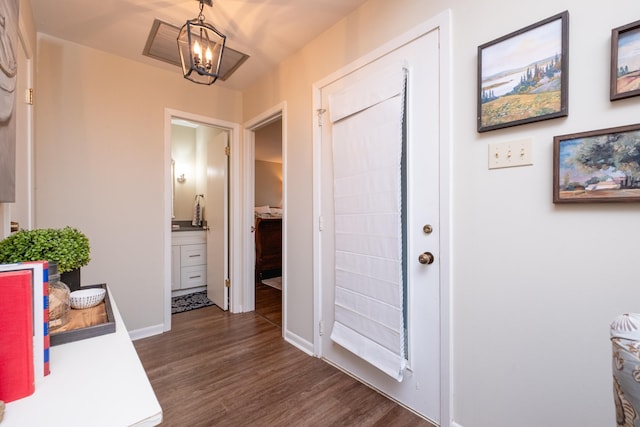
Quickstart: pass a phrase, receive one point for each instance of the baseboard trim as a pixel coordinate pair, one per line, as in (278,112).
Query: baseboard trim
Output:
(299,342)
(146,332)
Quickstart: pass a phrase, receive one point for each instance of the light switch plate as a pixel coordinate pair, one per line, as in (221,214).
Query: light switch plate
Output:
(511,153)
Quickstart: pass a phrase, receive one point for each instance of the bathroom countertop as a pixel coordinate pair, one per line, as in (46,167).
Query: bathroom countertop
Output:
(186,226)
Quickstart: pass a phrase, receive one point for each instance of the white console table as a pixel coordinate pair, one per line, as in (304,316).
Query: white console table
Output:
(94,382)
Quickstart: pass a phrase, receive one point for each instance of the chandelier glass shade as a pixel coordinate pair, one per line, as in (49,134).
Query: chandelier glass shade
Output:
(201,48)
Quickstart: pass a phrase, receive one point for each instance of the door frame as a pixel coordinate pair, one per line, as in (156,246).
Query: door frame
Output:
(25,73)
(274,113)
(442,23)
(235,254)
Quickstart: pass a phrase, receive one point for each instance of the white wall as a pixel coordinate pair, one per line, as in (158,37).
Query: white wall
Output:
(100,162)
(535,285)
(268,184)
(268,142)
(183,153)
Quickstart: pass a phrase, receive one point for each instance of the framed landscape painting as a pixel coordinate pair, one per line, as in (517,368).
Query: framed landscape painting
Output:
(597,166)
(523,76)
(625,61)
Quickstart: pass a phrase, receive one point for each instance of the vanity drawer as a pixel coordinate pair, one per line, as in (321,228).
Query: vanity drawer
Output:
(190,277)
(193,255)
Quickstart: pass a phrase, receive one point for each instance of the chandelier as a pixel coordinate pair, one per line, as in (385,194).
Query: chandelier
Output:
(201,47)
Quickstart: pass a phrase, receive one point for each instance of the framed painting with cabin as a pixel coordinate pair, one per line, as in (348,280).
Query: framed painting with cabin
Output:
(597,166)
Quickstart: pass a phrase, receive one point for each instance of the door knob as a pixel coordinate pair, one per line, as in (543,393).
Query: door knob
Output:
(426,258)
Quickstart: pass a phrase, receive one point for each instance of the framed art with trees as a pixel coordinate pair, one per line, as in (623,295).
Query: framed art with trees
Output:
(597,166)
(523,76)
(625,61)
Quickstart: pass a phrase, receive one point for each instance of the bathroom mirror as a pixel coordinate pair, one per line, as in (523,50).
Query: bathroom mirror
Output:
(197,152)
(186,172)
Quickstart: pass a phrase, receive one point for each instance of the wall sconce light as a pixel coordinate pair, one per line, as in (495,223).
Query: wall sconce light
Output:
(201,47)
(181,179)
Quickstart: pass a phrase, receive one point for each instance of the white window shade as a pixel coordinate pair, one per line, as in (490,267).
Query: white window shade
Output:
(367,158)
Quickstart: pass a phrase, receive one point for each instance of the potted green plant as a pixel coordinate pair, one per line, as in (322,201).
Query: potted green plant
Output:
(67,247)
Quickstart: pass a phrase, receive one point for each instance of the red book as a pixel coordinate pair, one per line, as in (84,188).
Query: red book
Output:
(16,335)
(39,310)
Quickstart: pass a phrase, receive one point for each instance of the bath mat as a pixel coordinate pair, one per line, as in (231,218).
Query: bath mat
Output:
(190,302)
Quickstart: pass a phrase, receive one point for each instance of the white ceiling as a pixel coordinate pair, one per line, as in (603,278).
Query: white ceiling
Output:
(267,30)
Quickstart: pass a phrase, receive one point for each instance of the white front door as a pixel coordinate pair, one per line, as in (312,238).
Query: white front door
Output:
(216,214)
(420,385)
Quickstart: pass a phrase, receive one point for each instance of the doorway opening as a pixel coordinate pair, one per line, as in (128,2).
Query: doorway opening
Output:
(268,221)
(199,223)
(199,204)
(265,168)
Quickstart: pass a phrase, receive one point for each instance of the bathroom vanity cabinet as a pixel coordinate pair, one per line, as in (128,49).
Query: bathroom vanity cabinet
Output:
(188,260)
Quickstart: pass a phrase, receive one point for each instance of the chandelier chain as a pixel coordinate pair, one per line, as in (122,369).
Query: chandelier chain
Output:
(201,14)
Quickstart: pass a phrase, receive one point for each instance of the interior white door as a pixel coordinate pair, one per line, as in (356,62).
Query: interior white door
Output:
(420,385)
(22,209)
(216,214)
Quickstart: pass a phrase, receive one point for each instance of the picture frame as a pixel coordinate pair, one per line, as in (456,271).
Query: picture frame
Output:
(625,61)
(597,166)
(523,76)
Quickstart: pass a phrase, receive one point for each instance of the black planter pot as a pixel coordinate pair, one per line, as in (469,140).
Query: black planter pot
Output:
(71,279)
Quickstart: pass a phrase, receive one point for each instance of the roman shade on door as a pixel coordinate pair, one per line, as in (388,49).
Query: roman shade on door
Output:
(370,315)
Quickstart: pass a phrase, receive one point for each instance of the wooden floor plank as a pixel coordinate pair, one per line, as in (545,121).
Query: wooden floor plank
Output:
(220,369)
(269,303)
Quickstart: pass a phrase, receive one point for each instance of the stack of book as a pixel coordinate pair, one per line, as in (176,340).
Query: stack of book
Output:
(24,331)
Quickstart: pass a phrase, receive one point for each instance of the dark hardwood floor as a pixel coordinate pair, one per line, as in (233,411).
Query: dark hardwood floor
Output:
(269,303)
(220,369)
